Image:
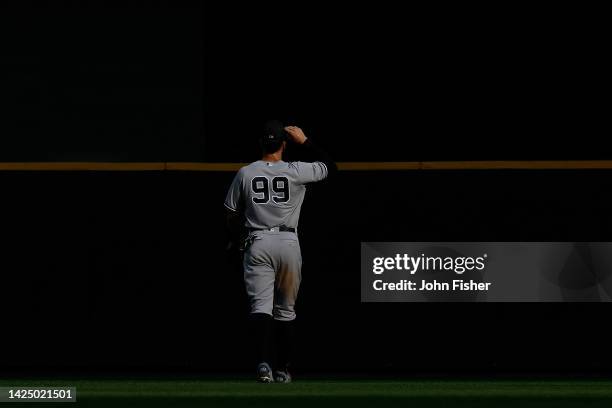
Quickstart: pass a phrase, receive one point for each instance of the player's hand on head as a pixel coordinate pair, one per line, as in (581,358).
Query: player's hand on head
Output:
(296,134)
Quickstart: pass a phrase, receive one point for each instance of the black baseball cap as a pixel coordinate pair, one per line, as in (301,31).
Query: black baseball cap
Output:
(274,132)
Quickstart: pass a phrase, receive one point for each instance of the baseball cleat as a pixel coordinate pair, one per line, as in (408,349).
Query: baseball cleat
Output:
(264,373)
(282,377)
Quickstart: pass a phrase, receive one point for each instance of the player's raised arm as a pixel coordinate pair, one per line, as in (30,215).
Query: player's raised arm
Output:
(322,166)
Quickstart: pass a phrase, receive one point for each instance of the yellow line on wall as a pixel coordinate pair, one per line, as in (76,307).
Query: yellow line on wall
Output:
(80,166)
(179,166)
(344,166)
(517,164)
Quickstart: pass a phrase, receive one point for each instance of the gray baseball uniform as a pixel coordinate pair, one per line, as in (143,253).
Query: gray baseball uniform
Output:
(271,196)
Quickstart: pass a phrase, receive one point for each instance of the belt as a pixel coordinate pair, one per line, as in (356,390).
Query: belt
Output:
(280,228)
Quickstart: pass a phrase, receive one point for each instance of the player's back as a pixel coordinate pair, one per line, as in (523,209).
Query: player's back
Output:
(271,193)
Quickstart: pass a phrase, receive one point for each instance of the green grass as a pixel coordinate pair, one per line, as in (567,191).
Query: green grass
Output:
(333,393)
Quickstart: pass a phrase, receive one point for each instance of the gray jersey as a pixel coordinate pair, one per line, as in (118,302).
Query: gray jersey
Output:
(271,194)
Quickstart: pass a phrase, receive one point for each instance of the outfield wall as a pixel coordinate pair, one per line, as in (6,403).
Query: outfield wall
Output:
(127,271)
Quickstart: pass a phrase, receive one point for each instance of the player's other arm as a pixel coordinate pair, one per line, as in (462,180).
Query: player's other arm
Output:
(234,221)
(234,210)
(314,152)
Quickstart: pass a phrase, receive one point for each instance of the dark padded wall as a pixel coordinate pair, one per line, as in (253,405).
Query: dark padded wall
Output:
(126,271)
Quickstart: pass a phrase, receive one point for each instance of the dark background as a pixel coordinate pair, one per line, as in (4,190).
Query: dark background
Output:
(189,81)
(125,272)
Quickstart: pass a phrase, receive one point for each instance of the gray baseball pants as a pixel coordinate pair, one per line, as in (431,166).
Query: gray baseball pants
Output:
(272,273)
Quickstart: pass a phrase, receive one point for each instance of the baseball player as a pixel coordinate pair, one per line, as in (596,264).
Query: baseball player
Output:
(264,201)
